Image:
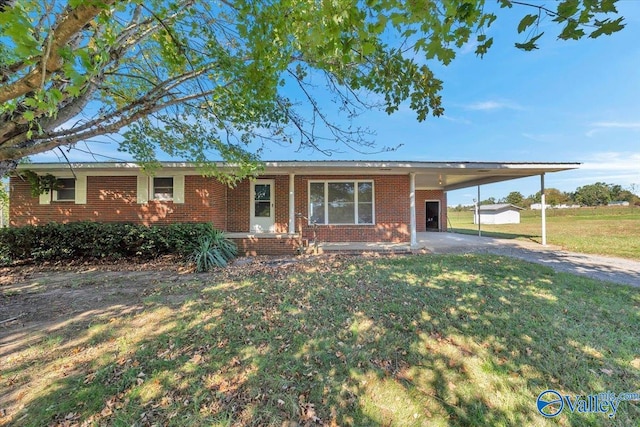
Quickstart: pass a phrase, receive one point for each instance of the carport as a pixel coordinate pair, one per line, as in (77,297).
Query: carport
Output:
(449,176)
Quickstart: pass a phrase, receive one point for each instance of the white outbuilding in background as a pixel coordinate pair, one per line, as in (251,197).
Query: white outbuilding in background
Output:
(501,213)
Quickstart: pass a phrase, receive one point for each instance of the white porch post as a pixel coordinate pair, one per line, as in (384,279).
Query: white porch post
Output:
(412,208)
(478,214)
(543,209)
(292,205)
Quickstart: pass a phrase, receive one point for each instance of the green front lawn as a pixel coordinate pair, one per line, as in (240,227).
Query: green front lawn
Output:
(612,231)
(419,340)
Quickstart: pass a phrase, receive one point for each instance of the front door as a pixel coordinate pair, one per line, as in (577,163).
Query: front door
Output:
(262,206)
(433,216)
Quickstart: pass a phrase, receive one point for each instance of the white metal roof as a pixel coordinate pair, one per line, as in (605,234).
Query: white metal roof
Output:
(434,175)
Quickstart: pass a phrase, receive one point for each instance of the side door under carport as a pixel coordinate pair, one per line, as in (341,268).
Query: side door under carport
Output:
(433,215)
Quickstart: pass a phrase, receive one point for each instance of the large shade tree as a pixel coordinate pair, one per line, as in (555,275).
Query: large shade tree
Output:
(195,77)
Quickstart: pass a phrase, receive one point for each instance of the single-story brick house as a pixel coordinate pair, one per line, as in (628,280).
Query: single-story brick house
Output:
(345,201)
(498,213)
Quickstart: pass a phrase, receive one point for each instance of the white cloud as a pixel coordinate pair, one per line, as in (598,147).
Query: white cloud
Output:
(457,120)
(613,161)
(624,125)
(492,105)
(601,126)
(468,47)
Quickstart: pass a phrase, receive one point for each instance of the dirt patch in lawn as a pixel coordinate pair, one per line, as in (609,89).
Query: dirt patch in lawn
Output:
(47,297)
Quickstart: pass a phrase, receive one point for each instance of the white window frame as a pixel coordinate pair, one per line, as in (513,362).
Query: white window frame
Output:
(75,189)
(152,189)
(355,182)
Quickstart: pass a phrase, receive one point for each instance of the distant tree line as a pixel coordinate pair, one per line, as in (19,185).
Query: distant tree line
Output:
(598,194)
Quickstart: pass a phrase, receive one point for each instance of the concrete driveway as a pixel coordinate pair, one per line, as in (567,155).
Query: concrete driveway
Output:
(616,270)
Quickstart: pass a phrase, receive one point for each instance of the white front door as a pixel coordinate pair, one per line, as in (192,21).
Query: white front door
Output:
(262,206)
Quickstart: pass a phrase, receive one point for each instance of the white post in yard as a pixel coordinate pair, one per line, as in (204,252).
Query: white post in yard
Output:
(292,204)
(543,209)
(412,209)
(478,213)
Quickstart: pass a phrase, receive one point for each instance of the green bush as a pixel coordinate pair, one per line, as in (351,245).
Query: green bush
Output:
(92,240)
(213,250)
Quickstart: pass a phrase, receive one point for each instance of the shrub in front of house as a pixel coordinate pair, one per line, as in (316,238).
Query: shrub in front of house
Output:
(91,240)
(213,250)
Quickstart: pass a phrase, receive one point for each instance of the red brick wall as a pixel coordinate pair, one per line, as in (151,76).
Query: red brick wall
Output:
(421,208)
(283,245)
(113,199)
(392,216)
(238,212)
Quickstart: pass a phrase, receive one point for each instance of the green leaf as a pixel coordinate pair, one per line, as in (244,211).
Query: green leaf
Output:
(29,116)
(529,45)
(571,31)
(608,6)
(56,95)
(74,91)
(368,48)
(483,48)
(607,27)
(568,8)
(526,22)
(30,102)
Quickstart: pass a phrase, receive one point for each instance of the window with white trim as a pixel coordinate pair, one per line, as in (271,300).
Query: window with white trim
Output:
(162,188)
(65,190)
(341,202)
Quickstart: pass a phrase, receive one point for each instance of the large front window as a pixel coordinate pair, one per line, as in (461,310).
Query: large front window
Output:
(341,202)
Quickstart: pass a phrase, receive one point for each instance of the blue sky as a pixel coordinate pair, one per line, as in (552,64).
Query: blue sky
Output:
(576,101)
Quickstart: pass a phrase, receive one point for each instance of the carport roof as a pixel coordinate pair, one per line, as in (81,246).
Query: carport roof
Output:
(433,175)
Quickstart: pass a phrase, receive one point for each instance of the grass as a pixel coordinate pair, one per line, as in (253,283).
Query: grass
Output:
(465,340)
(611,231)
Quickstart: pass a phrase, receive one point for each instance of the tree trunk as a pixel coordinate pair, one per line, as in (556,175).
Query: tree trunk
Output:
(7,166)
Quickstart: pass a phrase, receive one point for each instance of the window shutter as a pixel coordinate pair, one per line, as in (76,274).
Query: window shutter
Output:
(45,198)
(143,189)
(81,190)
(178,189)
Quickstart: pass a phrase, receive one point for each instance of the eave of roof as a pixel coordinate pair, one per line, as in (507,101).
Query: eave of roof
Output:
(437,175)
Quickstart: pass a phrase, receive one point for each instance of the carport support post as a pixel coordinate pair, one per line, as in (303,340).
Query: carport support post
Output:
(543,210)
(478,213)
(412,209)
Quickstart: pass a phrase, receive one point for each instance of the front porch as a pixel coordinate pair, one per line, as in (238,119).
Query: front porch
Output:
(252,244)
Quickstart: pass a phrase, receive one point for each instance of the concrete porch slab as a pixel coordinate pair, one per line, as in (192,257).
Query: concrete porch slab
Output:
(385,247)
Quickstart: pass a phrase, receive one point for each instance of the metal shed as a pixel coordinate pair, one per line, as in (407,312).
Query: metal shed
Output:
(501,213)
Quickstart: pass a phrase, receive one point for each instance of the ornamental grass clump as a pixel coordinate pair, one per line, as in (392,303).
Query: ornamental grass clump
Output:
(213,250)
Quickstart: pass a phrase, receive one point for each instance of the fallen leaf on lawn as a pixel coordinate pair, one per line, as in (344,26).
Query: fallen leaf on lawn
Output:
(608,372)
(89,378)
